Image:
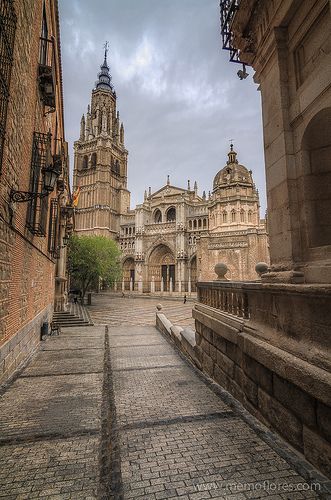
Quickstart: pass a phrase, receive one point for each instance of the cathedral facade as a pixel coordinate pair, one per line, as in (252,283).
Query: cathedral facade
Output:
(175,237)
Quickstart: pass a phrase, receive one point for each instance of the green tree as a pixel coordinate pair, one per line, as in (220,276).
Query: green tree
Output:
(91,258)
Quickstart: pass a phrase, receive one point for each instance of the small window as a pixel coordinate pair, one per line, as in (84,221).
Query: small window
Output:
(85,162)
(94,160)
(249,216)
(225,217)
(199,223)
(242,216)
(233,216)
(204,223)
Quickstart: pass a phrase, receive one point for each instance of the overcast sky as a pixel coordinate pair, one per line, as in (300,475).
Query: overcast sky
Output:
(178,95)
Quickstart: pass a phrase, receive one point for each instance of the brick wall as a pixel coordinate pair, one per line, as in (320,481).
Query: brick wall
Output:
(27,270)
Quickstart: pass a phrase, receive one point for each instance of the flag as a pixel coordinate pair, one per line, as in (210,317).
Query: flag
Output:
(75,197)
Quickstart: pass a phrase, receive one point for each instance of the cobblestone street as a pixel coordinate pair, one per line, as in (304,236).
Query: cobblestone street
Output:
(120,414)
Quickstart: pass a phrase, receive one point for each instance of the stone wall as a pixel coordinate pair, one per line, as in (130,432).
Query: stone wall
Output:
(284,391)
(17,349)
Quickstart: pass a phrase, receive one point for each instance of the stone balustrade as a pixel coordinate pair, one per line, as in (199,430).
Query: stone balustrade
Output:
(227,297)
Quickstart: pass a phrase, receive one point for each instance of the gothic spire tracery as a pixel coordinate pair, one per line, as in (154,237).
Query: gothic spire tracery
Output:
(104,77)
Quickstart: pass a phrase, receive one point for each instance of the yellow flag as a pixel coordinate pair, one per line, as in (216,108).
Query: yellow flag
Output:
(75,197)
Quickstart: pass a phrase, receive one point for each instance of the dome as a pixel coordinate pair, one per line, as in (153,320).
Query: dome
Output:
(233,172)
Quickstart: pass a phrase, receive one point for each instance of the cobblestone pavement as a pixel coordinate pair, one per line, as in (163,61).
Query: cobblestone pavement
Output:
(117,413)
(50,423)
(112,309)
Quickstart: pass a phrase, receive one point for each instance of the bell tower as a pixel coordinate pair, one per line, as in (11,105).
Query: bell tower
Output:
(100,162)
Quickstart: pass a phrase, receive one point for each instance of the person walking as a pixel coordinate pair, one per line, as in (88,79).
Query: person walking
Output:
(185,299)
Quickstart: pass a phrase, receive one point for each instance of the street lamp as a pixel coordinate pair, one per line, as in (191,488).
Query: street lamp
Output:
(50,176)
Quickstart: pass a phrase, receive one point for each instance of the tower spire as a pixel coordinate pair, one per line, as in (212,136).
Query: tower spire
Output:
(104,77)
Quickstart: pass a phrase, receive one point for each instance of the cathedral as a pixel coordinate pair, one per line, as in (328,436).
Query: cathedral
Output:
(175,237)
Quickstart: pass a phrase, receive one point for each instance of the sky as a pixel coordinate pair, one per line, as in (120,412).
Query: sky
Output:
(179,97)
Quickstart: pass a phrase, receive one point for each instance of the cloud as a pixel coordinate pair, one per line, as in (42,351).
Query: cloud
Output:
(178,96)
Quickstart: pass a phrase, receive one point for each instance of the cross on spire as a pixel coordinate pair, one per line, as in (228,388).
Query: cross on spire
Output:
(106,47)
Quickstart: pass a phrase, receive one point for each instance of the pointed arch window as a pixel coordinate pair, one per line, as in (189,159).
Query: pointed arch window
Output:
(242,216)
(158,216)
(85,162)
(233,216)
(93,160)
(249,215)
(225,217)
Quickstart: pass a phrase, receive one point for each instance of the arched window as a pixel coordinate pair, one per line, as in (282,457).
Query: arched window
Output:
(249,216)
(225,218)
(93,160)
(204,223)
(242,216)
(126,231)
(171,214)
(158,216)
(85,161)
(190,241)
(199,223)
(233,216)
(195,224)
(190,224)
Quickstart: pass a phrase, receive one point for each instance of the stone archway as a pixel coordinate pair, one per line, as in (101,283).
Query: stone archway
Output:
(162,266)
(128,272)
(315,182)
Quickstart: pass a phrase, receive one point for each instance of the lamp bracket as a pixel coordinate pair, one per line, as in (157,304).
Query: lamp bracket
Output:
(23,196)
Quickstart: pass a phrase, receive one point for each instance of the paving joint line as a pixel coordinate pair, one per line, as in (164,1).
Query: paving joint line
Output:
(182,419)
(139,368)
(134,345)
(110,478)
(48,436)
(37,375)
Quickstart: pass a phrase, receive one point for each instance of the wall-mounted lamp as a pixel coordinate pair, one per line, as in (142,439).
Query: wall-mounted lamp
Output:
(50,176)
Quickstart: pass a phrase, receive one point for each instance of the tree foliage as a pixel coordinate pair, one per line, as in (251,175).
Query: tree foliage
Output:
(91,258)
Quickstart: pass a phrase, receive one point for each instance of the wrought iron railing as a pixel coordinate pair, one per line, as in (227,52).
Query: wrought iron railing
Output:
(7,37)
(37,207)
(53,229)
(228,9)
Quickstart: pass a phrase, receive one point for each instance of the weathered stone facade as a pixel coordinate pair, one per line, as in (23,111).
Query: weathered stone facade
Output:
(100,170)
(31,257)
(288,44)
(175,237)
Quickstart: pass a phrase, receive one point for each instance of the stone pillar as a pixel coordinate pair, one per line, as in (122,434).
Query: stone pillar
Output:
(131,284)
(162,286)
(153,285)
(179,287)
(170,286)
(115,286)
(140,285)
(123,285)
(189,286)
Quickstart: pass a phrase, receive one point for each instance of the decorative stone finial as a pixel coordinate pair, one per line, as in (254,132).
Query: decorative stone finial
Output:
(159,307)
(221,269)
(261,268)
(168,180)
(188,185)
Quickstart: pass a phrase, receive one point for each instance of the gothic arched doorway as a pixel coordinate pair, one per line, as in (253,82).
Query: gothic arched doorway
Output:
(128,273)
(161,266)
